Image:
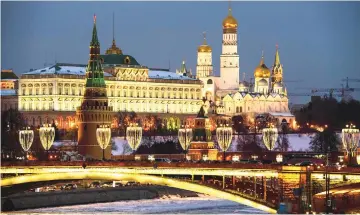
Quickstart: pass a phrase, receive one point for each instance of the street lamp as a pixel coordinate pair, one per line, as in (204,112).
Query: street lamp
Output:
(350,139)
(26,138)
(103,135)
(47,136)
(270,136)
(185,136)
(224,137)
(279,158)
(133,136)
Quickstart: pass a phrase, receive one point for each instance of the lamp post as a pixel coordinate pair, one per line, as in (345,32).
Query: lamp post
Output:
(326,149)
(350,139)
(26,138)
(185,136)
(103,135)
(47,136)
(270,136)
(224,137)
(133,136)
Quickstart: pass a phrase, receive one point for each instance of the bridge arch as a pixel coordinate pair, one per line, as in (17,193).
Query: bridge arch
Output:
(138,178)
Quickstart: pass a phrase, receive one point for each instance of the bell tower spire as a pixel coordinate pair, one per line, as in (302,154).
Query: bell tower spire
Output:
(229,58)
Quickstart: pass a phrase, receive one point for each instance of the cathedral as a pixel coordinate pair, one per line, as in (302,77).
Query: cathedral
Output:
(230,96)
(53,93)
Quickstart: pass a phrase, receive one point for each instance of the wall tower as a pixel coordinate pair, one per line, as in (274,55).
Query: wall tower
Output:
(94,110)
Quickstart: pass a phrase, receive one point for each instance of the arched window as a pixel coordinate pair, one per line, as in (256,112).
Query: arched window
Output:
(209,81)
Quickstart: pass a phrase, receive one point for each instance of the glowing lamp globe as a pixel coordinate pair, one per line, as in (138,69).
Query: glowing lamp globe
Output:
(26,138)
(185,136)
(47,136)
(270,136)
(103,136)
(133,136)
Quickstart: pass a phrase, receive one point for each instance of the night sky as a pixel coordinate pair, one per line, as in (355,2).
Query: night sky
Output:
(319,42)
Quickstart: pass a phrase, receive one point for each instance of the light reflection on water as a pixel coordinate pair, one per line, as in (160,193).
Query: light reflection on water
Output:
(173,205)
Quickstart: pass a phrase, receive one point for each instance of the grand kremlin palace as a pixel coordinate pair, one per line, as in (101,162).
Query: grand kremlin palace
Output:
(52,94)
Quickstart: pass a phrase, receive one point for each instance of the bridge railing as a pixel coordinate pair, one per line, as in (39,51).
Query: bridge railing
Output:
(141,164)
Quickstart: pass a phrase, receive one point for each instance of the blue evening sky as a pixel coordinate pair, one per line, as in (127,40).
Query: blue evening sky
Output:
(319,42)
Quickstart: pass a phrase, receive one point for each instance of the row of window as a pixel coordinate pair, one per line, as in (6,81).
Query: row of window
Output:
(70,106)
(112,93)
(239,109)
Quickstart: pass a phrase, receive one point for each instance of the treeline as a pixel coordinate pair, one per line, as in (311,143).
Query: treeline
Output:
(330,112)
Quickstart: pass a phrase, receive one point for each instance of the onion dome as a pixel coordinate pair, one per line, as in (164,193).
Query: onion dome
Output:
(204,47)
(243,84)
(229,23)
(262,71)
(262,83)
(277,84)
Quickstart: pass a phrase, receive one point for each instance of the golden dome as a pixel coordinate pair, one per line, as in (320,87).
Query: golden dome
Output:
(204,47)
(229,21)
(262,71)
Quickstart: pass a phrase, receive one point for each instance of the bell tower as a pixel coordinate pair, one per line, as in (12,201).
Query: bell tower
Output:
(229,59)
(94,110)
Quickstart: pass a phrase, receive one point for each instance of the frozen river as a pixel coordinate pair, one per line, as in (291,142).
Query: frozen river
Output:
(166,205)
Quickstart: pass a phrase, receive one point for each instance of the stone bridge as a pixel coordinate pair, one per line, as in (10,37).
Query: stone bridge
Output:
(259,186)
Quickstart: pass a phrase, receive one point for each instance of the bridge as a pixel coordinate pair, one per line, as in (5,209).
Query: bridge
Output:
(259,186)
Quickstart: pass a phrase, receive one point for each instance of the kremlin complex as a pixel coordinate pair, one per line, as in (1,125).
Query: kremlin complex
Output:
(64,93)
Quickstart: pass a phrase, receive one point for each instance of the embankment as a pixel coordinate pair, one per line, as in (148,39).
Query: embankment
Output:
(86,196)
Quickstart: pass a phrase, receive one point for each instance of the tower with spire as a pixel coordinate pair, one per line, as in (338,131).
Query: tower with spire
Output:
(94,110)
(229,59)
(184,71)
(204,67)
(202,144)
(277,74)
(113,49)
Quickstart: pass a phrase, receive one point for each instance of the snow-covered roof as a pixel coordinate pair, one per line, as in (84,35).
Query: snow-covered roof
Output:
(155,74)
(8,92)
(62,69)
(284,114)
(79,69)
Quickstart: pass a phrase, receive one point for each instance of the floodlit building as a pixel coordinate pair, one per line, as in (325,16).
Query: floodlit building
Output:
(57,90)
(8,91)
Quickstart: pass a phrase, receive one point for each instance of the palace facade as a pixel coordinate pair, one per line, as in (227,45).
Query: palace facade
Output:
(53,93)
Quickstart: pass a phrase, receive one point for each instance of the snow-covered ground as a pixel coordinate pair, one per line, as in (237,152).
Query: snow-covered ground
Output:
(166,205)
(298,142)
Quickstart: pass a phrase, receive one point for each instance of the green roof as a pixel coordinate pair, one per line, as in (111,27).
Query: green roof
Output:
(8,75)
(202,113)
(119,59)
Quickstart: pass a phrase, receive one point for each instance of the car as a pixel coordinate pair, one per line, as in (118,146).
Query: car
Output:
(255,162)
(166,160)
(305,163)
(69,187)
(95,184)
